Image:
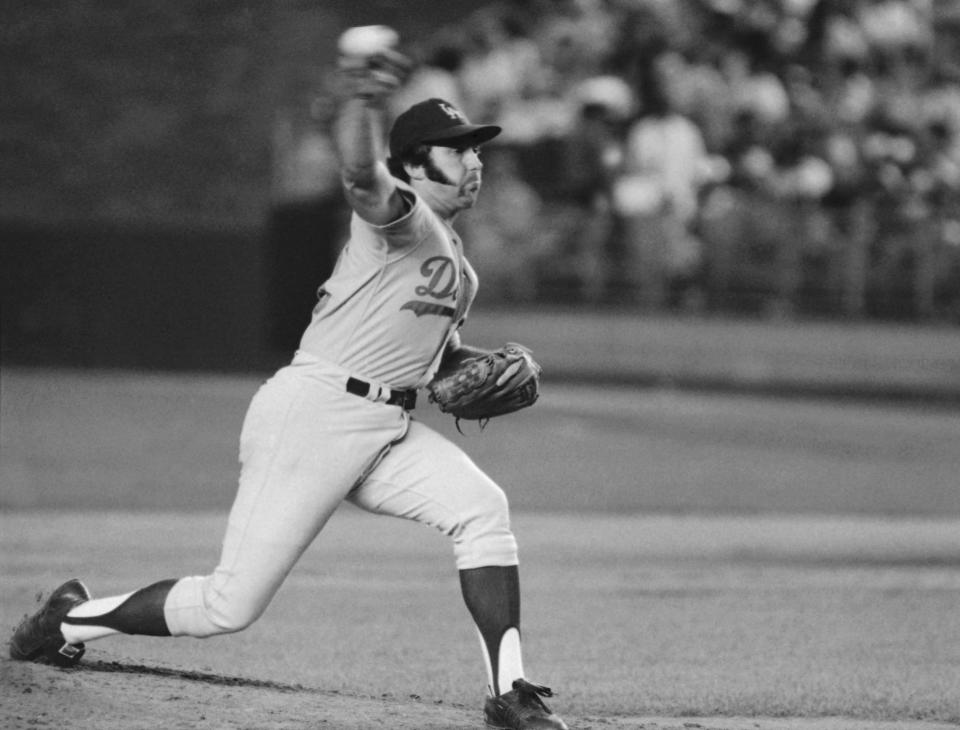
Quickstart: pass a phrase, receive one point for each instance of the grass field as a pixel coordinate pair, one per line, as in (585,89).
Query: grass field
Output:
(689,560)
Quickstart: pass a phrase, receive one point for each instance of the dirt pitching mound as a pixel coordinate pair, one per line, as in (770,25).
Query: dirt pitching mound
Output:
(122,694)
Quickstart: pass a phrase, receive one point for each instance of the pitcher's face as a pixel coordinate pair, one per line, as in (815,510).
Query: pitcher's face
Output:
(458,171)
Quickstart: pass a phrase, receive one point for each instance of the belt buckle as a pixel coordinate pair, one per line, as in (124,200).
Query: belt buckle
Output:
(406,399)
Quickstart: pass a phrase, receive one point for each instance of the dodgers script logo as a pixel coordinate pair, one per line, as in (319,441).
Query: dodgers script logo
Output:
(441,275)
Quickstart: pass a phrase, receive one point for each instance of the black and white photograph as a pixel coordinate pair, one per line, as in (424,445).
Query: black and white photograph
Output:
(506,364)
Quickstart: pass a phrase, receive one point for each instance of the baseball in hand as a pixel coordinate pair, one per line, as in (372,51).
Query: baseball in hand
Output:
(363,41)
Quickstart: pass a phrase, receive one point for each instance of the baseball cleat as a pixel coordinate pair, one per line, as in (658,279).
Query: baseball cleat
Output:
(38,637)
(522,709)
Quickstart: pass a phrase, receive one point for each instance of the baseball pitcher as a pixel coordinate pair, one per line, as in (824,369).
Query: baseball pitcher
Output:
(335,424)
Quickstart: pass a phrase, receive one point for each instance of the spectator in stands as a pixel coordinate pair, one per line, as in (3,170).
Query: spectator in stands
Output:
(575,39)
(745,76)
(665,163)
(755,86)
(502,66)
(589,158)
(700,92)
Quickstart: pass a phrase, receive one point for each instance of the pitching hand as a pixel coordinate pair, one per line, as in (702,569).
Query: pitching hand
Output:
(376,76)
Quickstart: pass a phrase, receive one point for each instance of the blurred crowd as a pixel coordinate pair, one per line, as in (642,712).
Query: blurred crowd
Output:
(775,156)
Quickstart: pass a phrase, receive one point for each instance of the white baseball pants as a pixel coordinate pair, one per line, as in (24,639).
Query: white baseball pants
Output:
(306,445)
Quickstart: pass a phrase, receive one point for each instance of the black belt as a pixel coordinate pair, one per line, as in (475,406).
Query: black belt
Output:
(406,399)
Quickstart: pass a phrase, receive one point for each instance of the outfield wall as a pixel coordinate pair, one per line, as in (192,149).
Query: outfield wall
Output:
(195,300)
(209,300)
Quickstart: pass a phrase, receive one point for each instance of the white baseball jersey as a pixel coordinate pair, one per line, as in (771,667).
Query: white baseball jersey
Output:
(396,295)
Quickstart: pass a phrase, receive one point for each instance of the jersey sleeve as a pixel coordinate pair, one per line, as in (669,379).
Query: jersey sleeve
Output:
(406,231)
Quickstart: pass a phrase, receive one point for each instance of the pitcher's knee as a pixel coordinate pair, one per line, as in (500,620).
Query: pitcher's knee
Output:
(484,536)
(202,606)
(230,615)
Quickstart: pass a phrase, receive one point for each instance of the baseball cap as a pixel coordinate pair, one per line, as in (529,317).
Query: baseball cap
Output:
(439,123)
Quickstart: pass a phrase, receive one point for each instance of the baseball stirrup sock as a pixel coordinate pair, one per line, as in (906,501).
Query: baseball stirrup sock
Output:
(504,662)
(492,595)
(140,612)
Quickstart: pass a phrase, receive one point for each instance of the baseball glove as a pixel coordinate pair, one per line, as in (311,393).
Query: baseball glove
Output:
(479,388)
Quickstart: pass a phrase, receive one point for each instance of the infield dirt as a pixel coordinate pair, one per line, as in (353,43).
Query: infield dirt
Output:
(123,695)
(679,622)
